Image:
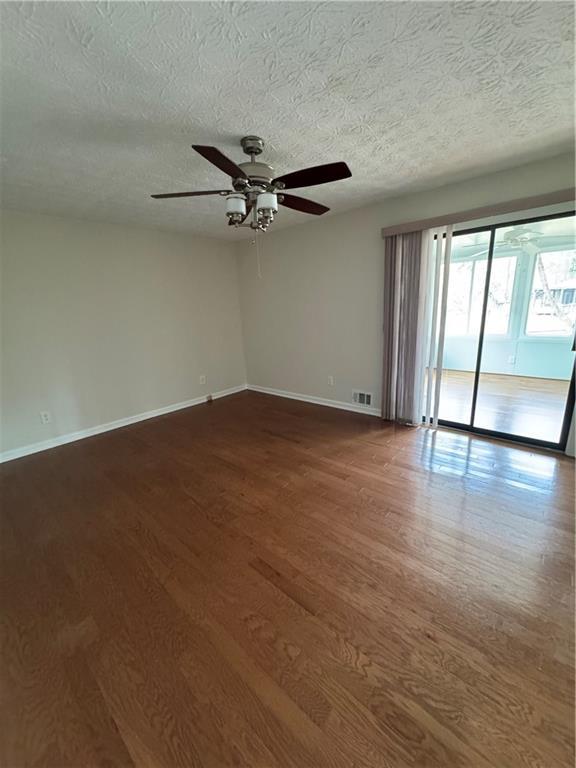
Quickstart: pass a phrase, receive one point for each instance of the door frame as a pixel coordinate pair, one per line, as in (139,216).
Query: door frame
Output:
(571,397)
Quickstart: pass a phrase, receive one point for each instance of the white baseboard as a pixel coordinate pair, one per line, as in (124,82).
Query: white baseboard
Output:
(71,437)
(316,400)
(54,442)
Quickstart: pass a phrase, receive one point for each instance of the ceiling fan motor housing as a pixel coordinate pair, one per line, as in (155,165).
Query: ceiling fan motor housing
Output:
(260,174)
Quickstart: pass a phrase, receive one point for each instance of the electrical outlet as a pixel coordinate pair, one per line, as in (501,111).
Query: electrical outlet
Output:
(511,359)
(45,417)
(202,379)
(331,380)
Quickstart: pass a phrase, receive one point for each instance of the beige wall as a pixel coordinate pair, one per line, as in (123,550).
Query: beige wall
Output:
(317,311)
(101,322)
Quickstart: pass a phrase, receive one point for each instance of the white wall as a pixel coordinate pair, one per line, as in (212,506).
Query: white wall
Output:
(101,322)
(317,311)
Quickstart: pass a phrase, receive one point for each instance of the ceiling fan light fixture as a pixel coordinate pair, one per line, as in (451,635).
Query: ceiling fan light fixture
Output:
(266,207)
(267,201)
(235,208)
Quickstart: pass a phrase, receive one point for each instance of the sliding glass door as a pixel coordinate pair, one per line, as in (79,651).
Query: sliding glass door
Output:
(466,286)
(508,357)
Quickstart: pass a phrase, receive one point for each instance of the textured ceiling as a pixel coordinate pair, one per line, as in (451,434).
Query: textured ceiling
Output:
(101,101)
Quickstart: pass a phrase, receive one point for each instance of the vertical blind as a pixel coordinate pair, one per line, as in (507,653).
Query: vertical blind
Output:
(416,272)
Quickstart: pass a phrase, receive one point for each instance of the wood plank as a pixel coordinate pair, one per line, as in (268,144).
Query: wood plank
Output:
(263,582)
(517,405)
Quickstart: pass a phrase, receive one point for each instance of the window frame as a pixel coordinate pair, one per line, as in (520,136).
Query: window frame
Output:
(525,336)
(506,335)
(571,398)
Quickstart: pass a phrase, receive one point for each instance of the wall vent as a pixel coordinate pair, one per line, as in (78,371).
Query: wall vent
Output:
(362,398)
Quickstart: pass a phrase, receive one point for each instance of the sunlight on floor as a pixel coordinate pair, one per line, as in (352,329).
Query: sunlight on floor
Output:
(515,405)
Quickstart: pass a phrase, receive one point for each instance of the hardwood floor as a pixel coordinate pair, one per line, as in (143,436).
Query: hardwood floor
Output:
(516,405)
(262,582)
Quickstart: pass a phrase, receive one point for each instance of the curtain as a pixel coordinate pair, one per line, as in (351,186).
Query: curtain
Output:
(402,263)
(416,271)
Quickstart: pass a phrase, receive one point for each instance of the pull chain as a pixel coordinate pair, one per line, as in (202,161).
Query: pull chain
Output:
(258,265)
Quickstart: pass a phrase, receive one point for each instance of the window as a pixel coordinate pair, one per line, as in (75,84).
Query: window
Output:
(466,295)
(500,295)
(552,307)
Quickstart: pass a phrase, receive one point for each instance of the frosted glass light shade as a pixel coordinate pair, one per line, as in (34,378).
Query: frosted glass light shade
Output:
(267,201)
(235,204)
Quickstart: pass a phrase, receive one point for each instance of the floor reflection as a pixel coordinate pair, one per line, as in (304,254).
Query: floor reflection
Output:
(516,405)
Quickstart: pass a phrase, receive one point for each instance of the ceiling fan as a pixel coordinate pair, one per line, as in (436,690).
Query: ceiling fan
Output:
(519,235)
(256,192)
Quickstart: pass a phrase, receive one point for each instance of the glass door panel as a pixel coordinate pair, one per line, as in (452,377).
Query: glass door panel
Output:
(466,284)
(527,358)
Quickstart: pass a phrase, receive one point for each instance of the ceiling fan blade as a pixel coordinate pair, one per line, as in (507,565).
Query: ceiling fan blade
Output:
(193,194)
(216,157)
(302,204)
(319,174)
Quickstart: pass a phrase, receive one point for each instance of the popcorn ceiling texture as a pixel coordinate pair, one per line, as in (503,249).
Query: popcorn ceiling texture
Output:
(101,101)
